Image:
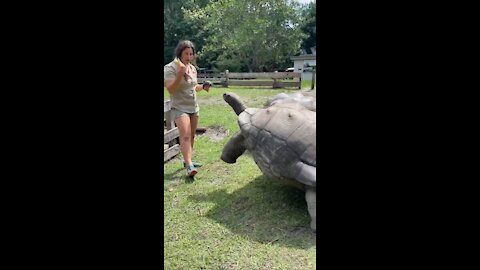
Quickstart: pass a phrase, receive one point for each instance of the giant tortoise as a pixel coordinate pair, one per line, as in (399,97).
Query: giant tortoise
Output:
(281,140)
(306,98)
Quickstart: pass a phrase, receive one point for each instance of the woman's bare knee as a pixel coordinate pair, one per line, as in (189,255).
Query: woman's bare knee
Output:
(186,138)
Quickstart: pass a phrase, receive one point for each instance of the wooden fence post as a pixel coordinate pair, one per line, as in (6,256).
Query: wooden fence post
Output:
(171,138)
(169,119)
(314,71)
(276,84)
(300,82)
(226,78)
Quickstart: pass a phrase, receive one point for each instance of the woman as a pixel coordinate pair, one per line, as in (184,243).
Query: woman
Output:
(181,82)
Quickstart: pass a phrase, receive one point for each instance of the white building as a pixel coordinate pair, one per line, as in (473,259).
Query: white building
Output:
(301,64)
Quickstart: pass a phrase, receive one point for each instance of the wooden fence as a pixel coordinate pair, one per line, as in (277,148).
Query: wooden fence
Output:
(273,79)
(171,146)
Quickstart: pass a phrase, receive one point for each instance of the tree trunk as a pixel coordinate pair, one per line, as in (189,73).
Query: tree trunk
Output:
(249,67)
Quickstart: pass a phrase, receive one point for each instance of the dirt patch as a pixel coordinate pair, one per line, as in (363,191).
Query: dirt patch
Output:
(215,133)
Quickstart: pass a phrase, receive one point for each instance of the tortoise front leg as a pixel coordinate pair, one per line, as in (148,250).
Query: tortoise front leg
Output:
(233,149)
(311,198)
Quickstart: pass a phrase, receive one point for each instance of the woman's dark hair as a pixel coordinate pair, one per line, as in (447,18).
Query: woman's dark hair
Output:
(182,45)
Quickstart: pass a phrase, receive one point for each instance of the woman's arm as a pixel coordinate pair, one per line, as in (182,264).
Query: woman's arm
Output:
(205,86)
(172,85)
(199,87)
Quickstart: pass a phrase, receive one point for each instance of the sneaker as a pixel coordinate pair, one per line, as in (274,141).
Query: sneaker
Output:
(191,170)
(196,164)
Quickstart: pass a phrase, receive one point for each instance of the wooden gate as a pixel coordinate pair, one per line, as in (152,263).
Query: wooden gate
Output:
(171,146)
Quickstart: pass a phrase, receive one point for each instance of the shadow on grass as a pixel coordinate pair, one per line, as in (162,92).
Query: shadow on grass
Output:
(263,211)
(179,175)
(173,175)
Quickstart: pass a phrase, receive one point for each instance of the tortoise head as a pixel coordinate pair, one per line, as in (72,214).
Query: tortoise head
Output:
(234,101)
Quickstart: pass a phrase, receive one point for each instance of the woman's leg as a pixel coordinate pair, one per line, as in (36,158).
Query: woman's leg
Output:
(193,125)
(184,129)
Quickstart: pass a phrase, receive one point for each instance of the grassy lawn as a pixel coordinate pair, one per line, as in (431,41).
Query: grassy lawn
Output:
(231,217)
(306,84)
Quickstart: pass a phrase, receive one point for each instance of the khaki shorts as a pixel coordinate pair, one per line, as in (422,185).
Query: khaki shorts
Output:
(177,113)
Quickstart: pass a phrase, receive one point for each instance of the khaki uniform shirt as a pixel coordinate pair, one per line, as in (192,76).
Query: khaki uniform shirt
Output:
(184,98)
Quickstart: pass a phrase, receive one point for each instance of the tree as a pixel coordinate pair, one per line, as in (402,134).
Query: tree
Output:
(256,34)
(177,28)
(309,16)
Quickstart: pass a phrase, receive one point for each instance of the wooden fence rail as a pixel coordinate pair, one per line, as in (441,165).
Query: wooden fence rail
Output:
(170,136)
(273,79)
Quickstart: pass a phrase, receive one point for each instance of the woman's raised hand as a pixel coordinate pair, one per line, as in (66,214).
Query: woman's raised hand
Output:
(182,69)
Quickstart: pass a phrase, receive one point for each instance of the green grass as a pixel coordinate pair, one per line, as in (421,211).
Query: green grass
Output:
(307,84)
(231,216)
